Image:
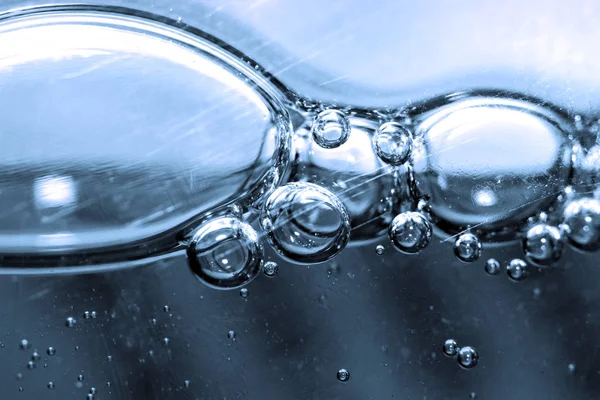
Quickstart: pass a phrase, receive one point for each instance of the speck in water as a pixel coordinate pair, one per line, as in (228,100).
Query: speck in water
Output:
(244,293)
(93,390)
(492,266)
(379,250)
(50,385)
(71,322)
(90,397)
(343,375)
(24,345)
(450,347)
(186,384)
(231,335)
(86,315)
(31,365)
(19,376)
(330,129)
(270,269)
(35,356)
(166,341)
(467,357)
(166,308)
(571,368)
(94,314)
(467,247)
(80,378)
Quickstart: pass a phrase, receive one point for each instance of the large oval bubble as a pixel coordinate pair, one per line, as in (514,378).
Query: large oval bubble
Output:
(489,163)
(117,129)
(305,223)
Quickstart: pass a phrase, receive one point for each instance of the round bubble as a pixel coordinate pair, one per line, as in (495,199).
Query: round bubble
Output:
(379,249)
(450,347)
(270,269)
(343,375)
(467,247)
(467,357)
(305,223)
(543,245)
(517,269)
(225,253)
(582,216)
(330,129)
(492,266)
(410,232)
(392,143)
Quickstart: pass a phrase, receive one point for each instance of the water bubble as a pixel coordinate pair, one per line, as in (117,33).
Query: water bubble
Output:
(450,347)
(19,376)
(343,375)
(467,357)
(582,216)
(492,266)
(24,344)
(305,223)
(94,314)
(571,368)
(90,396)
(410,232)
(35,356)
(166,308)
(225,253)
(517,269)
(50,385)
(244,293)
(80,378)
(270,269)
(71,322)
(186,383)
(109,358)
(31,365)
(86,315)
(467,247)
(543,245)
(379,250)
(330,129)
(20,389)
(473,395)
(231,335)
(392,143)
(166,341)
(93,390)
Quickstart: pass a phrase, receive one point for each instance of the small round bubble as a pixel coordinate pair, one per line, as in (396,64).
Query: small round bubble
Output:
(330,129)
(467,247)
(270,269)
(582,216)
(492,266)
(244,293)
(392,143)
(305,223)
(379,250)
(231,335)
(543,245)
(24,344)
(467,357)
(225,253)
(343,375)
(450,347)
(50,385)
(71,322)
(517,269)
(410,232)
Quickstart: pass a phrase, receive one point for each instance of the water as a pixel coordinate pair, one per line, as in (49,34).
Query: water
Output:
(410,232)
(392,143)
(330,129)
(543,245)
(467,247)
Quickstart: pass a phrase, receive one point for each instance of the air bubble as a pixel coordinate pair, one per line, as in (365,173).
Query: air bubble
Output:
(582,216)
(517,269)
(186,383)
(244,293)
(467,357)
(467,247)
(543,245)
(492,266)
(31,365)
(35,356)
(71,322)
(24,344)
(392,143)
(86,315)
(80,378)
(231,335)
(450,347)
(343,375)
(270,269)
(225,253)
(379,250)
(330,129)
(305,223)
(410,232)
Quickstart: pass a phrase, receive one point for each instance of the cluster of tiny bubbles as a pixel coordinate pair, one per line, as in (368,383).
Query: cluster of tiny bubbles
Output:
(305,223)
(467,247)
(582,217)
(492,266)
(516,269)
(450,347)
(343,375)
(392,143)
(330,129)
(543,245)
(270,269)
(467,357)
(71,322)
(244,293)
(410,232)
(379,250)
(225,253)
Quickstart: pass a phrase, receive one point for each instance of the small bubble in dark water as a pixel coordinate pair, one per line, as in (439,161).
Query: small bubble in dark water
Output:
(109,358)
(473,395)
(571,368)
(35,356)
(410,232)
(24,344)
(537,292)
(343,375)
(90,397)
(19,376)
(31,365)
(450,347)
(86,315)
(467,357)
(392,143)
(492,266)
(231,335)
(94,314)
(50,385)
(20,389)
(270,269)
(330,129)
(186,384)
(166,341)
(379,250)
(543,245)
(93,390)
(80,378)
(244,293)
(166,308)
(70,322)
(108,384)
(467,247)
(517,269)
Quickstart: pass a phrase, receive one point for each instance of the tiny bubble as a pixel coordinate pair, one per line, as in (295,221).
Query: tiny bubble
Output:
(70,322)
(50,385)
(343,375)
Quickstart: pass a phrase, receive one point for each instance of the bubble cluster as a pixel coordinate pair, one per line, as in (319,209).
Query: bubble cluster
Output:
(392,143)
(543,245)
(467,247)
(410,232)
(330,129)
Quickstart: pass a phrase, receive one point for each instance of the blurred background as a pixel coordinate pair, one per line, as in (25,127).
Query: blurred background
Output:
(160,334)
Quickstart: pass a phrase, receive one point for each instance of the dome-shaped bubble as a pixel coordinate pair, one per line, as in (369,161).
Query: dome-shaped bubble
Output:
(305,223)
(108,134)
(467,247)
(543,245)
(582,216)
(393,143)
(330,129)
(225,253)
(410,232)
(489,163)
